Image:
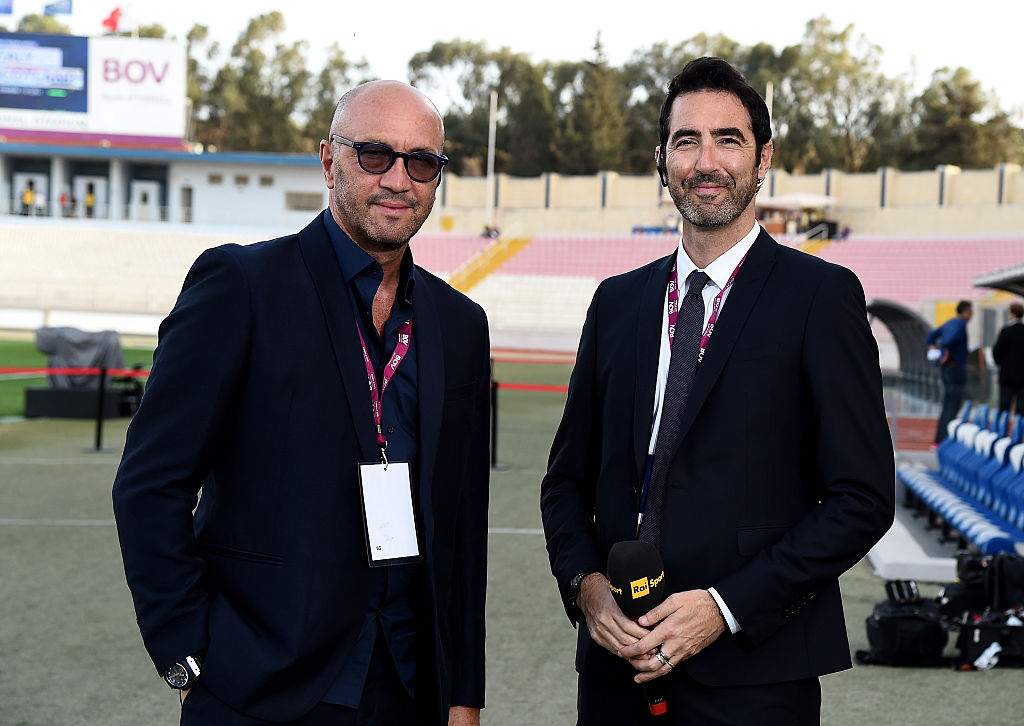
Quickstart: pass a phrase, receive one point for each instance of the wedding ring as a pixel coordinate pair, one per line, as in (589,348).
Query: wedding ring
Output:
(662,658)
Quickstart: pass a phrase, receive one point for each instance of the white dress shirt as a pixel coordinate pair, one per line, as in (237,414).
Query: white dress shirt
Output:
(719,272)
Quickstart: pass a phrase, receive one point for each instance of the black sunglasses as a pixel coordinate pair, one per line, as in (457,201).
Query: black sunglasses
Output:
(374,158)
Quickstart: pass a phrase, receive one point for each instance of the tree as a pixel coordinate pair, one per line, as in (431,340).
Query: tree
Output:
(528,134)
(592,135)
(646,75)
(461,75)
(153,30)
(334,79)
(253,101)
(958,123)
(827,104)
(35,23)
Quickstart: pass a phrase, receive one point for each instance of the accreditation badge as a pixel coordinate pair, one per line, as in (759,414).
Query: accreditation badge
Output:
(388,514)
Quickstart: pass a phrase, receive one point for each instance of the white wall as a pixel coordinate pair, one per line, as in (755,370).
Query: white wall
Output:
(249,204)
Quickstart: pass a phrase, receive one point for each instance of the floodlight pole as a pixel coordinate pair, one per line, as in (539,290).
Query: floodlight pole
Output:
(492,128)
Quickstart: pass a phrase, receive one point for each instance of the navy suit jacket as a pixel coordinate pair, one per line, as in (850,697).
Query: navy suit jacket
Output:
(782,475)
(258,397)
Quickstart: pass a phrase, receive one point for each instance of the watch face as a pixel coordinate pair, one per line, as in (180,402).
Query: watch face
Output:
(177,676)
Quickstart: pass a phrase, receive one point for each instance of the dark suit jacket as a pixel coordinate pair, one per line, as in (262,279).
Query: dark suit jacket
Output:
(258,396)
(1008,353)
(783,474)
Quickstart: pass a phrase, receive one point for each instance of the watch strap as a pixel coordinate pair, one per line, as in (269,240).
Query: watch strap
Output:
(573,591)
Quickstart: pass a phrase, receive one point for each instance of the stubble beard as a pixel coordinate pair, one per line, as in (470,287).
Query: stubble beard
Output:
(386,236)
(722,214)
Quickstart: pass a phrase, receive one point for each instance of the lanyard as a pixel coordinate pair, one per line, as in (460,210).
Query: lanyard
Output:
(673,316)
(673,307)
(376,397)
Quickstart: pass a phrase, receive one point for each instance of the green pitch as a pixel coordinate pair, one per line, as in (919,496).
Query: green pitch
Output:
(70,653)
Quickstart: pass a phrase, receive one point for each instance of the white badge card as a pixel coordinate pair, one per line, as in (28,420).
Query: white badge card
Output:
(388,514)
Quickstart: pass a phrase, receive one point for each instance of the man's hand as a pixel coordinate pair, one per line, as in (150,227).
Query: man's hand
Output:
(608,626)
(183,694)
(463,716)
(687,623)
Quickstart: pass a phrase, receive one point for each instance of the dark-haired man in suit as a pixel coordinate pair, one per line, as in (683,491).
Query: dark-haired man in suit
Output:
(334,570)
(1008,353)
(725,406)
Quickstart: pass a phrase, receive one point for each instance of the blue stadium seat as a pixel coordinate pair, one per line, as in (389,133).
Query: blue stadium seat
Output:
(978,490)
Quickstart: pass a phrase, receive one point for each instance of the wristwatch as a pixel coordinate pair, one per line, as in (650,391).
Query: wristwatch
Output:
(573,591)
(184,673)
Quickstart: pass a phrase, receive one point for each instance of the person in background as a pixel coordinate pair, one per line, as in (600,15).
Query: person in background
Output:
(28,198)
(948,344)
(1008,353)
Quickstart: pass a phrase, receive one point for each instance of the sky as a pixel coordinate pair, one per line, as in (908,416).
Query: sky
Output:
(916,39)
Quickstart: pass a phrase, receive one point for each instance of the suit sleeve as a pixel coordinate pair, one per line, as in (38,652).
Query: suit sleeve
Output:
(470,569)
(854,468)
(567,490)
(172,441)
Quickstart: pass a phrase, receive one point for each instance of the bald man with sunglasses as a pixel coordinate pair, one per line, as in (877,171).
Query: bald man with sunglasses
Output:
(330,401)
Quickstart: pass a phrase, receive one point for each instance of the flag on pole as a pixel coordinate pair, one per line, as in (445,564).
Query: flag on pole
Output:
(5,7)
(60,7)
(113,20)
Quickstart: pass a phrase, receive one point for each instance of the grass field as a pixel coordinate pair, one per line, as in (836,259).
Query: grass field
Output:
(70,652)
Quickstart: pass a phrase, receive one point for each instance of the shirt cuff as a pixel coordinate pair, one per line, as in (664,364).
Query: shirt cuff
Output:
(734,627)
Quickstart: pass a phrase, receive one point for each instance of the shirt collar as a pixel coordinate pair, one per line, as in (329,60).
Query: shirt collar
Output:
(354,260)
(721,269)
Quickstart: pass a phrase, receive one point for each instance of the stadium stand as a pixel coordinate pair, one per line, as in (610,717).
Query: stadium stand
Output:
(978,490)
(549,283)
(445,252)
(104,267)
(591,256)
(909,270)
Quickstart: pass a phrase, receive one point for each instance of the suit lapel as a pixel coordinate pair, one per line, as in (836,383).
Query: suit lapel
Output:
(429,391)
(322,266)
(650,317)
(744,293)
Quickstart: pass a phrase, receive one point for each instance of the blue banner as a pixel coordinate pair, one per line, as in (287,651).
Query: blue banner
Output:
(60,7)
(5,7)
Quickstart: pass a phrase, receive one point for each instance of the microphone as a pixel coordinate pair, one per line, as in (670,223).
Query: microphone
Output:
(636,577)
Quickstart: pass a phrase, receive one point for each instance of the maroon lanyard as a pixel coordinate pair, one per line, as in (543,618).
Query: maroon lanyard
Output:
(376,396)
(673,307)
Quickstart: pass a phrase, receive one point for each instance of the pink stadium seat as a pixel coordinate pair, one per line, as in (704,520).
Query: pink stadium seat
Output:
(594,256)
(908,270)
(444,252)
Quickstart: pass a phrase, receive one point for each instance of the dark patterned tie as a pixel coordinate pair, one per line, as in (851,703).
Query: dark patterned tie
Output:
(681,371)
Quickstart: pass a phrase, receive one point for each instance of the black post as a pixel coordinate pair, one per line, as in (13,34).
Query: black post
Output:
(101,401)
(494,422)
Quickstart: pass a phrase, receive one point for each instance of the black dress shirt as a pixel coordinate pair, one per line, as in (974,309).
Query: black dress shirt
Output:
(390,611)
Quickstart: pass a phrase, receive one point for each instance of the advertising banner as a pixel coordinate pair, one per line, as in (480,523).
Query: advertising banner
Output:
(89,90)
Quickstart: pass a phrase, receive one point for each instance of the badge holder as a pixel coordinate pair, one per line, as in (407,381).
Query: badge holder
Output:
(388,516)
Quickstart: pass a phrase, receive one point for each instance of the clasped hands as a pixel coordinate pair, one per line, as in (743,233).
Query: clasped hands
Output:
(680,627)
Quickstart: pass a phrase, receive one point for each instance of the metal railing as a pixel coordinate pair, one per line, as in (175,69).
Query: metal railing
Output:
(819,231)
(127,212)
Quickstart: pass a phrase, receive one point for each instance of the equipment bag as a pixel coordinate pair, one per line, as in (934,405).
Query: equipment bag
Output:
(907,634)
(1004,581)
